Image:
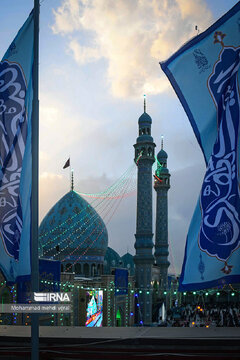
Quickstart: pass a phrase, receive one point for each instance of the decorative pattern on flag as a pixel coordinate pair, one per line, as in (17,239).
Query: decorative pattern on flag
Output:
(13,134)
(210,96)
(15,154)
(220,200)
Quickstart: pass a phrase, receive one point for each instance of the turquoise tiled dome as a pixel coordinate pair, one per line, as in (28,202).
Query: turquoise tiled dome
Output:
(128,263)
(74,227)
(111,260)
(162,155)
(145,119)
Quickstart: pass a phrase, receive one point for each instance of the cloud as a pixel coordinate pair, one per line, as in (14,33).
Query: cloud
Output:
(69,10)
(93,140)
(133,36)
(62,128)
(83,54)
(51,188)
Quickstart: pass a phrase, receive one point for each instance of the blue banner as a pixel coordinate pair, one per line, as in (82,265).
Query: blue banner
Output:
(121,281)
(16,95)
(205,76)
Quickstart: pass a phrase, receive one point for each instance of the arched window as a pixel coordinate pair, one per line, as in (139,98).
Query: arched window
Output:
(118,318)
(78,268)
(93,270)
(86,269)
(62,268)
(68,267)
(149,151)
(99,269)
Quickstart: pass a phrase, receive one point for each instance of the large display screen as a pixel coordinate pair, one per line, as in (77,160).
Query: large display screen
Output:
(94,302)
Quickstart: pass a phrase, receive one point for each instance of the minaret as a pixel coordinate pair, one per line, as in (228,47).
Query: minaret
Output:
(162,185)
(144,158)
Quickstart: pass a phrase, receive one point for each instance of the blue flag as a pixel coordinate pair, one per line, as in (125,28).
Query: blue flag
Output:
(16,93)
(205,76)
(121,281)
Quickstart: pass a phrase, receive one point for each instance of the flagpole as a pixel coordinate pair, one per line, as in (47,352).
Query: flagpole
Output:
(34,222)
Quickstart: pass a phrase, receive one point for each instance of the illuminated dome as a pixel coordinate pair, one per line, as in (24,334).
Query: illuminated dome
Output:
(73,232)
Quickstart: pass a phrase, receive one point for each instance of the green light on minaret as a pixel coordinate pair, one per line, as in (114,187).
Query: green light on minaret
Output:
(158,161)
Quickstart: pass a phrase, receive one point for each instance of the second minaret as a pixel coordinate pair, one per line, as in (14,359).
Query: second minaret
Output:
(162,185)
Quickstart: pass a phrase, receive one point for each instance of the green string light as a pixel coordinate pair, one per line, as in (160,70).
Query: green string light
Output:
(100,233)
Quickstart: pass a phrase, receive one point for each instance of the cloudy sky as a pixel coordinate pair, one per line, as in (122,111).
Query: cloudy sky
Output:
(97,59)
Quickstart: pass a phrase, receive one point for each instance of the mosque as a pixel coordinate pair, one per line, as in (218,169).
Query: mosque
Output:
(108,290)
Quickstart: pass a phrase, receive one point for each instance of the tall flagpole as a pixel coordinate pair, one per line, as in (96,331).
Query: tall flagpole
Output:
(34,222)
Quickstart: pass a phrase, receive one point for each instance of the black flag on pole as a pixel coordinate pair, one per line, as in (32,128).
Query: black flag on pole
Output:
(67,164)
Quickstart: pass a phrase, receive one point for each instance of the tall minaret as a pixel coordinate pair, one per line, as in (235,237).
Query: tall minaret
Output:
(144,158)
(162,185)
